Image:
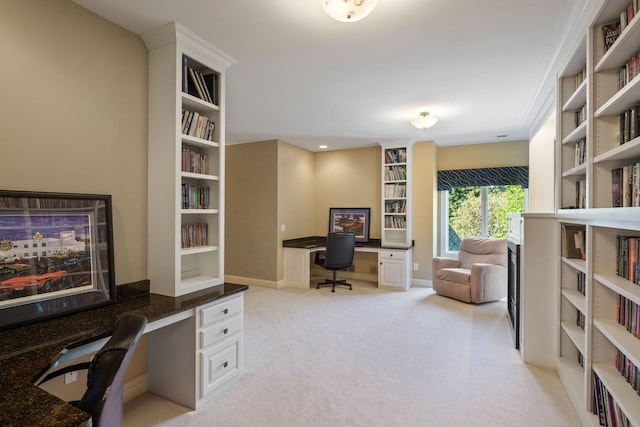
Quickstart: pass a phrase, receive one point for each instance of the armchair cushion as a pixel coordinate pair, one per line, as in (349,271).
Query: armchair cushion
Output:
(478,275)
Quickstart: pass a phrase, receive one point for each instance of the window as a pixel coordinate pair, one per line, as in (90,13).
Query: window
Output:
(479,211)
(475,202)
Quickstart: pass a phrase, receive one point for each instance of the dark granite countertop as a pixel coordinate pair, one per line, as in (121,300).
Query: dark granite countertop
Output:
(312,242)
(26,350)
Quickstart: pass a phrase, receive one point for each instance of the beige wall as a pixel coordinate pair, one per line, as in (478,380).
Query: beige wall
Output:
(347,179)
(491,155)
(74,114)
(425,159)
(251,209)
(296,193)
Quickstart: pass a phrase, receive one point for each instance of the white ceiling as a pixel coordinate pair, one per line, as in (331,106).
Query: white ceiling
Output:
(306,79)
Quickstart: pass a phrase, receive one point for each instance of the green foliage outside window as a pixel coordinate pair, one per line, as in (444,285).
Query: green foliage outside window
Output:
(465,210)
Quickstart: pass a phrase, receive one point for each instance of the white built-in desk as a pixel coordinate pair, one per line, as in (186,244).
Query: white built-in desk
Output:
(394,264)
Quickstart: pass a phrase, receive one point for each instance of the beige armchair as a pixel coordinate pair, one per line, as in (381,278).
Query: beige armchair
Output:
(478,275)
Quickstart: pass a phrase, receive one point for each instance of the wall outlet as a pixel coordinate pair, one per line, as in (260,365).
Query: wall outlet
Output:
(71,377)
(415,266)
(283,227)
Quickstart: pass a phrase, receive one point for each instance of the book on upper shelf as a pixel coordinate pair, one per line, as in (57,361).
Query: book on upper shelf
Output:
(573,241)
(610,33)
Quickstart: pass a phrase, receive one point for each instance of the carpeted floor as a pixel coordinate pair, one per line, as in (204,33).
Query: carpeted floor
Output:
(372,357)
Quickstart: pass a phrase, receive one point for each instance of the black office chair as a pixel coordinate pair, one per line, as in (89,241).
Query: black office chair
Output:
(106,371)
(338,256)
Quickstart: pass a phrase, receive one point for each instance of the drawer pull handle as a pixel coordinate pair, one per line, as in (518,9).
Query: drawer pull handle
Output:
(225,331)
(225,364)
(225,311)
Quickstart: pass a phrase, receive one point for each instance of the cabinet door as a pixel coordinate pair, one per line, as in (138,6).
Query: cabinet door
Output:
(392,271)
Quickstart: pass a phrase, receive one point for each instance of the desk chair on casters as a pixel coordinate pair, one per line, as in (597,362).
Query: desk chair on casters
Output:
(339,255)
(106,371)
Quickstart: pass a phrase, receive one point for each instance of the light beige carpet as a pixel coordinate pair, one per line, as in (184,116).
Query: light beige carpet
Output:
(371,357)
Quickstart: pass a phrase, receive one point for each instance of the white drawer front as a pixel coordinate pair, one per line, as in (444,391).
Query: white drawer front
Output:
(219,365)
(401,255)
(219,331)
(221,310)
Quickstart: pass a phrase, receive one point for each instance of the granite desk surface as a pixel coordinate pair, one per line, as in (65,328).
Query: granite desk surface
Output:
(26,350)
(312,242)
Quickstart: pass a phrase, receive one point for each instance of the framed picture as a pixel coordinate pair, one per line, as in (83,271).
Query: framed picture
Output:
(56,255)
(353,220)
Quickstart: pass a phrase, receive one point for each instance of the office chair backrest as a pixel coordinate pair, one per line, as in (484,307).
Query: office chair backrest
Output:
(103,398)
(340,248)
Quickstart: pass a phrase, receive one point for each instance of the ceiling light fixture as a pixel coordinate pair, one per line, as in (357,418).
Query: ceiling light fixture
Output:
(425,121)
(348,10)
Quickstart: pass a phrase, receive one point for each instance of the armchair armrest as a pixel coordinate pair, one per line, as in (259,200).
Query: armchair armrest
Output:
(442,262)
(488,282)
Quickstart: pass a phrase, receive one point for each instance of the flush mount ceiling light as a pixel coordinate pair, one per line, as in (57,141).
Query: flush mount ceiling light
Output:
(425,121)
(348,10)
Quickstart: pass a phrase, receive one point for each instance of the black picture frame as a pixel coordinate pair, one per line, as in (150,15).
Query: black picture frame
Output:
(56,255)
(354,220)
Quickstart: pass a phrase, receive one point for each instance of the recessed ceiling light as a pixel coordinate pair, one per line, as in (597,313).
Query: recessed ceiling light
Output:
(323,147)
(501,136)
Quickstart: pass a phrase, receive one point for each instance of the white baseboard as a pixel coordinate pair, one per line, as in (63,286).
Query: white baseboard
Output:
(134,388)
(239,280)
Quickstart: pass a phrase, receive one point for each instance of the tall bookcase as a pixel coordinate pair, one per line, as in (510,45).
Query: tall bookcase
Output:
(186,161)
(396,194)
(598,148)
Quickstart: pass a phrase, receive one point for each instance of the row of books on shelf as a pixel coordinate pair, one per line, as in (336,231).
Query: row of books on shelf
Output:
(195,196)
(612,30)
(628,71)
(395,173)
(579,78)
(625,186)
(395,206)
(605,407)
(582,282)
(195,235)
(580,319)
(580,115)
(395,190)
(629,125)
(196,83)
(395,155)
(627,256)
(628,370)
(581,194)
(395,222)
(581,151)
(194,161)
(627,315)
(198,125)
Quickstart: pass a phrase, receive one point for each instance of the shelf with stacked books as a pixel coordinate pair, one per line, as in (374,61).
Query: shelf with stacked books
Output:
(396,195)
(573,124)
(186,159)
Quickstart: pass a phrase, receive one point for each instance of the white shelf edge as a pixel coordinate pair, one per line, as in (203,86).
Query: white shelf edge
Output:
(576,299)
(577,99)
(619,285)
(627,151)
(189,139)
(577,171)
(578,264)
(577,134)
(622,100)
(621,51)
(197,250)
(620,338)
(575,334)
(199,176)
(195,102)
(198,211)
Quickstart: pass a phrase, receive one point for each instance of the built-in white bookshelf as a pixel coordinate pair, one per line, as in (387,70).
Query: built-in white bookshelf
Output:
(186,161)
(396,194)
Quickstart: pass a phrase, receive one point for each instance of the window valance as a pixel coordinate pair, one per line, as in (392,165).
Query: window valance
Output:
(512,175)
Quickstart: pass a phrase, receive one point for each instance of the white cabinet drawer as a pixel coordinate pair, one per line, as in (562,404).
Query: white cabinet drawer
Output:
(219,365)
(401,255)
(220,310)
(220,330)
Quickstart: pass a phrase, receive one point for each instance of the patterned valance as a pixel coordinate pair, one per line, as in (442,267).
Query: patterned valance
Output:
(482,177)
